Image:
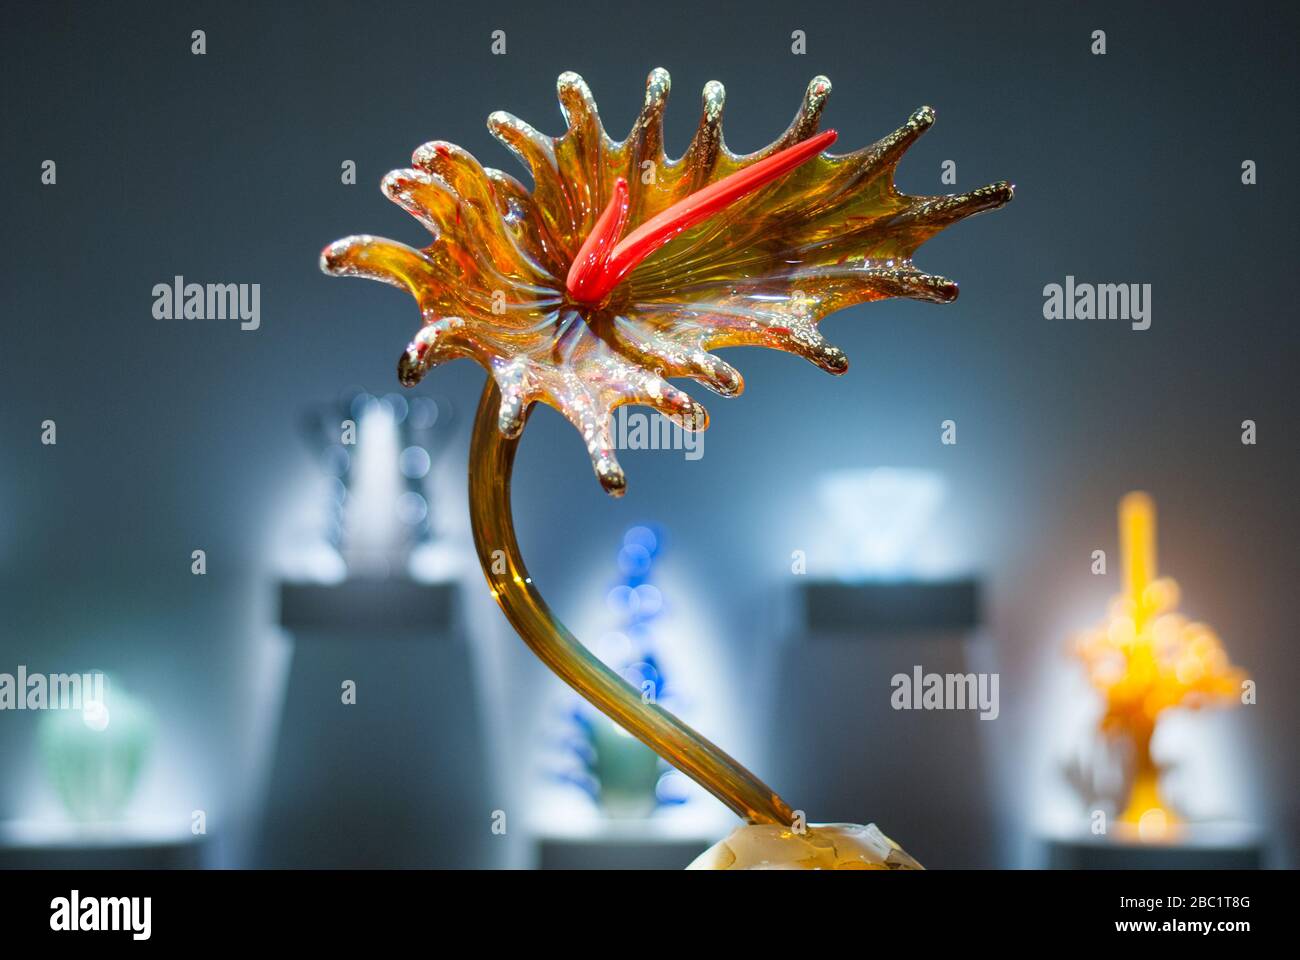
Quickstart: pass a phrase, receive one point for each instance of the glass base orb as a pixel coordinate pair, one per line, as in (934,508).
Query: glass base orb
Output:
(822,846)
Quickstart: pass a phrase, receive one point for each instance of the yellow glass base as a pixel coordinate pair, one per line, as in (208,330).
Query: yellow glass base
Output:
(824,846)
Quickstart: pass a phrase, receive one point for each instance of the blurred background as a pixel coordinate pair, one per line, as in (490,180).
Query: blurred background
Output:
(326,564)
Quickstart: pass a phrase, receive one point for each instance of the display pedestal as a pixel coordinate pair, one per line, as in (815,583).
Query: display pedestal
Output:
(1196,846)
(621,845)
(400,778)
(843,754)
(37,845)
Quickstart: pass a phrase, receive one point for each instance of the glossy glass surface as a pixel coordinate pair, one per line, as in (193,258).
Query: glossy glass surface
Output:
(1146,658)
(587,322)
(763,271)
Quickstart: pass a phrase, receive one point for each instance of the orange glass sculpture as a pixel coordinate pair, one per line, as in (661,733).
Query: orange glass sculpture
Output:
(1146,658)
(621,270)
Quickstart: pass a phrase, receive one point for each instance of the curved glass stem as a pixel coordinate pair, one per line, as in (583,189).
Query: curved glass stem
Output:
(491,460)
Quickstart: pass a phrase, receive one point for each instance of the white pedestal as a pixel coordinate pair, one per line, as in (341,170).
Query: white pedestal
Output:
(622,845)
(838,749)
(131,845)
(1222,845)
(400,778)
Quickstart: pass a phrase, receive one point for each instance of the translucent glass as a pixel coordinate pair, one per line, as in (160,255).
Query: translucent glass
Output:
(491,286)
(491,283)
(1146,658)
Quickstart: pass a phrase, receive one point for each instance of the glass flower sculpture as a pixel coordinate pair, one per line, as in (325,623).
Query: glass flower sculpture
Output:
(621,270)
(1146,658)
